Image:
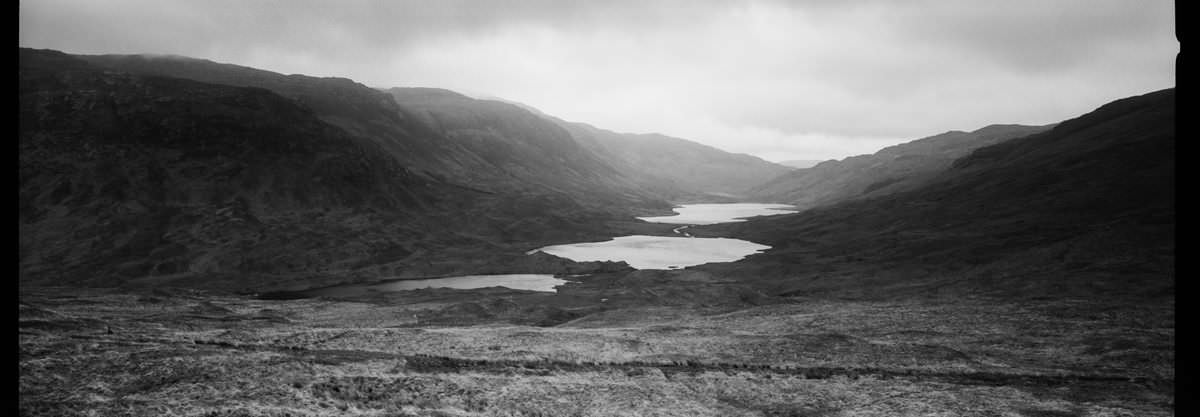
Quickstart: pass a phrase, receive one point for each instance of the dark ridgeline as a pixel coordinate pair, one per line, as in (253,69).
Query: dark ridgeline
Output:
(678,169)
(1084,209)
(486,147)
(671,168)
(496,146)
(171,170)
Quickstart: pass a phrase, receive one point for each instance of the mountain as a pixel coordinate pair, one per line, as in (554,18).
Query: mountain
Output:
(678,169)
(801,163)
(157,170)
(890,170)
(697,172)
(672,168)
(132,176)
(1084,209)
(510,143)
(493,145)
(142,179)
(445,136)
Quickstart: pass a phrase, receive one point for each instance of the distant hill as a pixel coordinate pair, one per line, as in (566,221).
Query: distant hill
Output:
(1084,209)
(892,169)
(674,168)
(801,163)
(510,143)
(699,172)
(680,169)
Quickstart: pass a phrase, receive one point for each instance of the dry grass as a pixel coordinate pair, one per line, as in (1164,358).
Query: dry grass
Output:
(197,355)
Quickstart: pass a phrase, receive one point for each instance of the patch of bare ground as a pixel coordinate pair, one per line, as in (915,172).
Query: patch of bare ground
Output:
(97,352)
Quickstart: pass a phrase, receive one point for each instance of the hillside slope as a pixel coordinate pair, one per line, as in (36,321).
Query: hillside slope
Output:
(512,144)
(678,169)
(1083,209)
(468,142)
(892,169)
(801,163)
(698,172)
(146,180)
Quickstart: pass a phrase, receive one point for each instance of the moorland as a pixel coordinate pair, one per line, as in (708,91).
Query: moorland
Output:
(173,210)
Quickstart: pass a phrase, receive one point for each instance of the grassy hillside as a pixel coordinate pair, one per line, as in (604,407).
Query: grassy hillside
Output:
(513,145)
(688,170)
(527,158)
(148,180)
(892,169)
(1083,209)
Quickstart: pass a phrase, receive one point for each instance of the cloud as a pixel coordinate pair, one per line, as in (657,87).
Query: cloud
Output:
(779,79)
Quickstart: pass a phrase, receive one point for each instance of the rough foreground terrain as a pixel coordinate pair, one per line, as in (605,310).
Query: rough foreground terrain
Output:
(186,352)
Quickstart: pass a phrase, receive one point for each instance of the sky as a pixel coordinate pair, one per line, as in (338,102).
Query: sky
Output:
(781,80)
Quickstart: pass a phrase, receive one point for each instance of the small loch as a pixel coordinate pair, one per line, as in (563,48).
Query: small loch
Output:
(681,251)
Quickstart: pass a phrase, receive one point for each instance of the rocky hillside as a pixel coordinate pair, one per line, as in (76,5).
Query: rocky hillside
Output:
(510,143)
(354,107)
(671,168)
(1083,209)
(678,169)
(444,136)
(693,171)
(130,179)
(892,169)
(492,145)
(148,170)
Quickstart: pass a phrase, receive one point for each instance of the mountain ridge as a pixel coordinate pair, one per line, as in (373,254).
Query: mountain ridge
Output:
(476,183)
(373,114)
(223,186)
(1084,209)
(658,160)
(889,170)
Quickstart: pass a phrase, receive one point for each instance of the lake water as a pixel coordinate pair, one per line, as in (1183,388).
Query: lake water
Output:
(532,282)
(639,251)
(720,213)
(658,252)
(661,252)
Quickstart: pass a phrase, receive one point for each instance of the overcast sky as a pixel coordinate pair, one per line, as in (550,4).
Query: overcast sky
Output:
(803,79)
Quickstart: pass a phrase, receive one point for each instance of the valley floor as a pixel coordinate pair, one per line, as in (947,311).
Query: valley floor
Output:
(180,352)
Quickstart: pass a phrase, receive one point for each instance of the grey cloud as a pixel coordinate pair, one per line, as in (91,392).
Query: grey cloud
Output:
(750,76)
(1036,35)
